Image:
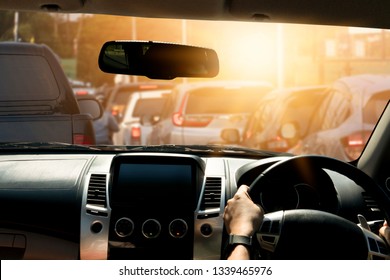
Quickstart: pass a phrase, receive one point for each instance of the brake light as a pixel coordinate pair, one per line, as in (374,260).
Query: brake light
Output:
(135,132)
(81,139)
(177,119)
(81,92)
(354,143)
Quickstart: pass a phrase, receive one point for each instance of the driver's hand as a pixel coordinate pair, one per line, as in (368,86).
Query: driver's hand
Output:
(385,232)
(242,216)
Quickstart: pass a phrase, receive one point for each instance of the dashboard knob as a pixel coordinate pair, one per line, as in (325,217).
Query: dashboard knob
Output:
(124,227)
(178,228)
(151,228)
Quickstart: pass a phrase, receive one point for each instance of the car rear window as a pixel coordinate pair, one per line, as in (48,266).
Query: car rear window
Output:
(375,106)
(26,68)
(149,106)
(224,100)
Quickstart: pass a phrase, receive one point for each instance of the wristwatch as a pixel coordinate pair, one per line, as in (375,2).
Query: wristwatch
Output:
(235,240)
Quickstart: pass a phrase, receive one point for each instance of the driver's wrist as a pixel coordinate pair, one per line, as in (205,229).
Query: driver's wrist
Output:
(239,252)
(242,231)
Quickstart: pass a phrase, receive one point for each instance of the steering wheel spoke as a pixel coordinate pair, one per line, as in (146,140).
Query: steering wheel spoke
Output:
(269,232)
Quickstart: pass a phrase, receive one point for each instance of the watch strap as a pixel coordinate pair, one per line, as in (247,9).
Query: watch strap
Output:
(240,239)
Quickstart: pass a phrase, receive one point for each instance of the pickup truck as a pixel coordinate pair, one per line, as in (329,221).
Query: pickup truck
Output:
(45,109)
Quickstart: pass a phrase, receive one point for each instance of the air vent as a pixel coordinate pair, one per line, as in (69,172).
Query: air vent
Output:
(371,204)
(212,193)
(97,190)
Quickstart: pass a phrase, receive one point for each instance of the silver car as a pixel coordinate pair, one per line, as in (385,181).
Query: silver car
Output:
(347,116)
(197,113)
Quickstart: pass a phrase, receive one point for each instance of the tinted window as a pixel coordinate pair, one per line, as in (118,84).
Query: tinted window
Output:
(301,107)
(19,81)
(149,106)
(336,111)
(375,106)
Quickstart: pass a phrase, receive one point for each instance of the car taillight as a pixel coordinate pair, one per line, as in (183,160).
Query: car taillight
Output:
(177,119)
(135,132)
(354,143)
(278,144)
(81,92)
(114,112)
(81,139)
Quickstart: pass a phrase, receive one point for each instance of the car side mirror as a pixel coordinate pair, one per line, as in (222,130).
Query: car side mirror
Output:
(90,106)
(230,135)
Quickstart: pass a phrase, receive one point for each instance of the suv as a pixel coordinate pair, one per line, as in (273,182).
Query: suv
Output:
(345,120)
(282,118)
(136,124)
(43,106)
(196,113)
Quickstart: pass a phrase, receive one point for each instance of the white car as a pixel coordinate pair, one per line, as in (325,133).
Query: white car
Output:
(142,105)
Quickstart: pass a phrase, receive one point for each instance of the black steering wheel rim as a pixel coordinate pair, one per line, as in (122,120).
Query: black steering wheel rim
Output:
(313,234)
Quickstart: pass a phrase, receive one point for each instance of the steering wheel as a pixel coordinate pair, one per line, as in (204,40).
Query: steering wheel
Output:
(317,234)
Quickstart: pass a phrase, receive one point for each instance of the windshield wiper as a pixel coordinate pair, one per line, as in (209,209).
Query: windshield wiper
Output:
(44,145)
(201,149)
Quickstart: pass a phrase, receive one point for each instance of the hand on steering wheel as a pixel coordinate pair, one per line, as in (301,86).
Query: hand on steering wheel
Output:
(315,234)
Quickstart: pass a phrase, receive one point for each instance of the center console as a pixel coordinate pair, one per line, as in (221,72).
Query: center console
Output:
(152,200)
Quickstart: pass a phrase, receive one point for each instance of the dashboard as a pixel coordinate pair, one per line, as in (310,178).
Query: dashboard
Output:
(145,205)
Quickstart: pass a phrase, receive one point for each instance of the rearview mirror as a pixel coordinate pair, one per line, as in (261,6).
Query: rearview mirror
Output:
(157,60)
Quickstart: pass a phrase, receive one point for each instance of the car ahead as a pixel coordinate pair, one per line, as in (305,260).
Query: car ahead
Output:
(346,117)
(197,113)
(81,88)
(118,96)
(43,107)
(282,118)
(136,124)
(166,202)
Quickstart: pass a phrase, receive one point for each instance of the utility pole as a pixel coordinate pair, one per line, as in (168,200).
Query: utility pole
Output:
(16,26)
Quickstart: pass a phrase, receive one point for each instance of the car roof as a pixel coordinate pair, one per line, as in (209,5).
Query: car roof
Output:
(143,86)
(363,13)
(297,89)
(366,84)
(223,84)
(156,93)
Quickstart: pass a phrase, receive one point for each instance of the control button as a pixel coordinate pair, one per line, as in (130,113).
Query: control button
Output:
(151,228)
(96,227)
(206,229)
(178,228)
(124,227)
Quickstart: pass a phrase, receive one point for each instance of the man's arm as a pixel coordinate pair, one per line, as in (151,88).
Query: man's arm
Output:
(242,217)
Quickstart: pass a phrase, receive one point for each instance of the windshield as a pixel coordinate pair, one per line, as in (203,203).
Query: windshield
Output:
(224,100)
(320,89)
